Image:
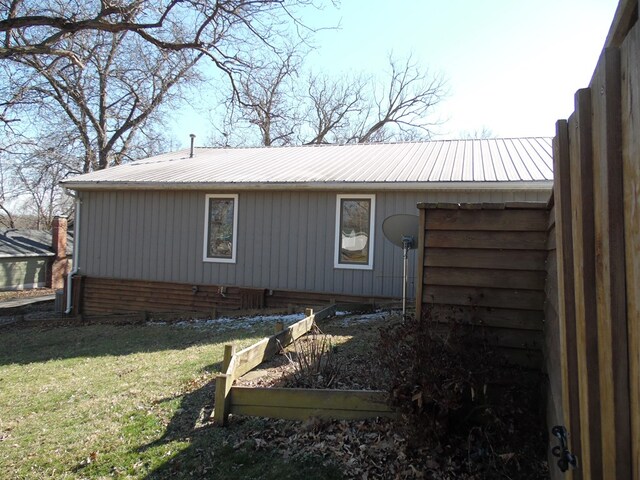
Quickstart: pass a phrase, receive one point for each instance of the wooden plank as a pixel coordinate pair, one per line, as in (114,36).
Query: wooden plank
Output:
(484,297)
(485,258)
(480,277)
(249,358)
(631,190)
(221,407)
(499,337)
(566,306)
(301,404)
(625,17)
(552,218)
(610,267)
(304,413)
(326,312)
(581,191)
(581,165)
(491,317)
(525,220)
(252,356)
(420,273)
(490,240)
(526,205)
(370,400)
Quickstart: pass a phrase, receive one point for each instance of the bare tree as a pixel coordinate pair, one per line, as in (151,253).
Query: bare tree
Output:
(402,104)
(332,105)
(38,179)
(40,27)
(479,134)
(112,97)
(338,110)
(265,91)
(98,75)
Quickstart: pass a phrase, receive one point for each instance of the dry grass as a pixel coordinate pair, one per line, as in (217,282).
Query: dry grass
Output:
(122,401)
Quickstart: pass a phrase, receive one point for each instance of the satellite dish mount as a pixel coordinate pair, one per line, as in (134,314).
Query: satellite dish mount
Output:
(402,230)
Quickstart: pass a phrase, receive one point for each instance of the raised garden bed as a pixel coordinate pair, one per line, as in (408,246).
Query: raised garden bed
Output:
(289,403)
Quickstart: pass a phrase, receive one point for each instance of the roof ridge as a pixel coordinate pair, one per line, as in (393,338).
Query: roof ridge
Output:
(396,142)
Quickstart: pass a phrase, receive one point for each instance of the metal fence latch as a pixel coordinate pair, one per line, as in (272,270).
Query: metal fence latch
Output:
(565,457)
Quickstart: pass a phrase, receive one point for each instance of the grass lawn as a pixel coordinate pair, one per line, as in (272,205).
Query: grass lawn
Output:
(106,401)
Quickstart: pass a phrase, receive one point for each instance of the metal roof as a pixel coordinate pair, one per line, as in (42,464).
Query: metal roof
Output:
(440,163)
(29,243)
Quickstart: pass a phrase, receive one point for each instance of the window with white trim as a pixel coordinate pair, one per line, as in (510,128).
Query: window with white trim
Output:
(220,228)
(355,220)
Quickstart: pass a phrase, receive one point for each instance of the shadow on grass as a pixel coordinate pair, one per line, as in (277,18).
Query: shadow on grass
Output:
(230,452)
(225,453)
(37,344)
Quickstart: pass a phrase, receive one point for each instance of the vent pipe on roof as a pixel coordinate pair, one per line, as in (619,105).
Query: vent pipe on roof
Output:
(193,137)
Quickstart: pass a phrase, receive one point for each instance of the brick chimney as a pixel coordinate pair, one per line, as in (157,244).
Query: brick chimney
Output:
(60,264)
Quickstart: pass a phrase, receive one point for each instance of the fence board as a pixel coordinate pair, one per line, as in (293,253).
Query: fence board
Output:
(581,166)
(488,316)
(499,337)
(483,297)
(565,269)
(490,240)
(485,258)
(610,276)
(421,261)
(631,190)
(531,220)
(494,278)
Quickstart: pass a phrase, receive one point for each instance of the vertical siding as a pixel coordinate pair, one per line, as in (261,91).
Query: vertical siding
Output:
(285,239)
(25,272)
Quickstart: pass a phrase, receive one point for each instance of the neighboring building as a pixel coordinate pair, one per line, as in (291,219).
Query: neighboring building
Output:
(34,258)
(270,226)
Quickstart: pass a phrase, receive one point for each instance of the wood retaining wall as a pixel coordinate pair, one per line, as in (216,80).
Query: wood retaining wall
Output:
(485,265)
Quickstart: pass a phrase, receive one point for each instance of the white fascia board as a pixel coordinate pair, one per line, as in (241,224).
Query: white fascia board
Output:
(541,186)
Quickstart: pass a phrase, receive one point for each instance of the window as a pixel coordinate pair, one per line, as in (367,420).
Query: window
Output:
(220,228)
(354,231)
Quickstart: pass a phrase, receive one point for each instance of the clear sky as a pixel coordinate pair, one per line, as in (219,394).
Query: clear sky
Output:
(512,66)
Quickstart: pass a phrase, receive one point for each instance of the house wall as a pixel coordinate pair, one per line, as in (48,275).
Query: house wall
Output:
(285,239)
(20,273)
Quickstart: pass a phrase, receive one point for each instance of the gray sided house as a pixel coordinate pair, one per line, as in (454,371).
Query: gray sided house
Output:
(256,227)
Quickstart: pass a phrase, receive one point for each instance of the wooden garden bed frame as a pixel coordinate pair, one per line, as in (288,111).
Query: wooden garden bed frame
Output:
(288,403)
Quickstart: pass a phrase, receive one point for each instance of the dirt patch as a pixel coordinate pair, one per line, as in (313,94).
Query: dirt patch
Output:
(353,340)
(384,448)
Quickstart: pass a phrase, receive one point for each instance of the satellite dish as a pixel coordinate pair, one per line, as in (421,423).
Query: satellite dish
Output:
(402,230)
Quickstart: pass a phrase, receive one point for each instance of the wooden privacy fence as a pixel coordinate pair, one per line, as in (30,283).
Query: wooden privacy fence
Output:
(484,264)
(597,217)
(289,403)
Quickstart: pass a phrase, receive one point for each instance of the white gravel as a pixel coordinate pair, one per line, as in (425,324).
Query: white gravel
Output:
(237,323)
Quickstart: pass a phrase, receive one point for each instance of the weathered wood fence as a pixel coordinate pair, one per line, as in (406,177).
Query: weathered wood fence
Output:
(484,264)
(595,389)
(289,403)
